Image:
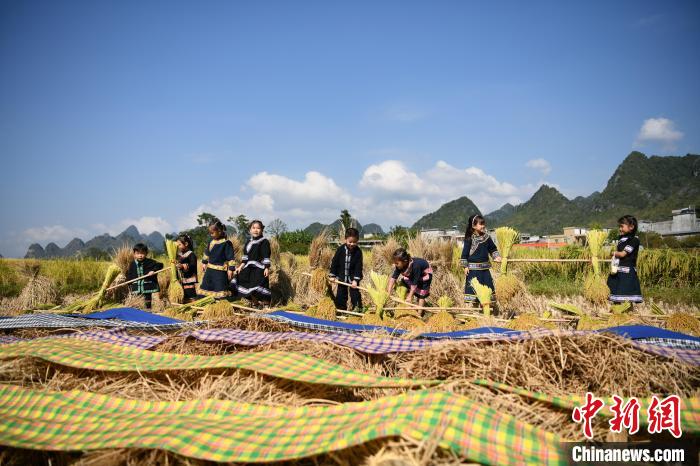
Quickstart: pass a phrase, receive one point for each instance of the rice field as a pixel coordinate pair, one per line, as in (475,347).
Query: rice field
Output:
(541,295)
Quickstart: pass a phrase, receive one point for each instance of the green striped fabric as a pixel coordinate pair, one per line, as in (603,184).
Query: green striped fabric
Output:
(285,365)
(230,431)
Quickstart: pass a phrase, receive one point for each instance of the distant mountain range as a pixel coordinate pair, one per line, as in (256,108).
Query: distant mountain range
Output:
(646,187)
(105,243)
(371,228)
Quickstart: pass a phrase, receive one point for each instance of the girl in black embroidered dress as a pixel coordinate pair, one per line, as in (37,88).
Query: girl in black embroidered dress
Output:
(624,284)
(187,266)
(478,245)
(218,263)
(253,280)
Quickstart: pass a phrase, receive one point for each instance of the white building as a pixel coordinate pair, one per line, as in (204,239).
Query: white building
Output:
(683,223)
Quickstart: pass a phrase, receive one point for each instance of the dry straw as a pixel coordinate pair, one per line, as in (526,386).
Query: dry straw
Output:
(683,322)
(176,294)
(378,291)
(506,238)
(39,291)
(483,294)
(97,300)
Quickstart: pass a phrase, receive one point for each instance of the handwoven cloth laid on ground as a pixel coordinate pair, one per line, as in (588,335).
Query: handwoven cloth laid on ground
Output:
(690,407)
(360,343)
(64,321)
(132,314)
(284,365)
(118,336)
(218,430)
(389,345)
(500,333)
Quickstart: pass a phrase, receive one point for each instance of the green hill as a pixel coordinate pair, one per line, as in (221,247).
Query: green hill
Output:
(448,215)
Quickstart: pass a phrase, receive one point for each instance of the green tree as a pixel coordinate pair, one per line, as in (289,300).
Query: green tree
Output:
(345,219)
(240,225)
(205,218)
(296,242)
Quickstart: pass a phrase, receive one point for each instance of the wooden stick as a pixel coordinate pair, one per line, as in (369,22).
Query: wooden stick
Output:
(555,260)
(333,280)
(351,313)
(136,279)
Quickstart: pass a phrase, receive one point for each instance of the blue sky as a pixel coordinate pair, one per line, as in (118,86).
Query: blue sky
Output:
(114,113)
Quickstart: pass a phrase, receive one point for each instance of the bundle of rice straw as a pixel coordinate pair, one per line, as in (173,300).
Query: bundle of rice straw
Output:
(442,321)
(377,291)
(220,309)
(621,308)
(507,286)
(595,240)
(570,308)
(595,289)
(483,294)
(401,292)
(187,311)
(445,302)
(683,322)
(382,255)
(506,238)
(524,321)
(123,257)
(325,309)
(319,249)
(98,300)
(372,318)
(176,294)
(318,280)
(39,291)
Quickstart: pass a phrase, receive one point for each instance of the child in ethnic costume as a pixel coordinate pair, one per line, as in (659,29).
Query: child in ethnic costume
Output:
(624,285)
(141,266)
(218,263)
(412,272)
(187,266)
(346,266)
(254,271)
(478,245)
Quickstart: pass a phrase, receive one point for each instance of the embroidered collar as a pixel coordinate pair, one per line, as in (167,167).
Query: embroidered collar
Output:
(217,241)
(476,240)
(186,254)
(252,241)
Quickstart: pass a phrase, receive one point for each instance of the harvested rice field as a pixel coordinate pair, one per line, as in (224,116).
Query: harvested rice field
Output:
(236,383)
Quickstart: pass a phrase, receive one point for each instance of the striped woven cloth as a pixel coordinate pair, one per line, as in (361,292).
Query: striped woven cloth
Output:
(118,336)
(230,431)
(361,343)
(372,345)
(100,356)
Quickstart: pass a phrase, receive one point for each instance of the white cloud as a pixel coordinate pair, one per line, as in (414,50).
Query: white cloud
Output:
(390,193)
(52,233)
(661,130)
(540,164)
(145,225)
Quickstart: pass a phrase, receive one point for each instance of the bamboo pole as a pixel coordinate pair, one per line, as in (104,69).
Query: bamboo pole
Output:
(555,260)
(393,298)
(137,279)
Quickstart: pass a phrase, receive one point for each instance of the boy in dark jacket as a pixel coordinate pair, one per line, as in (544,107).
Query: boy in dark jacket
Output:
(347,267)
(141,266)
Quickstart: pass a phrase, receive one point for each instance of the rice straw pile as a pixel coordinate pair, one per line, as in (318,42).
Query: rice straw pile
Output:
(483,294)
(595,288)
(176,294)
